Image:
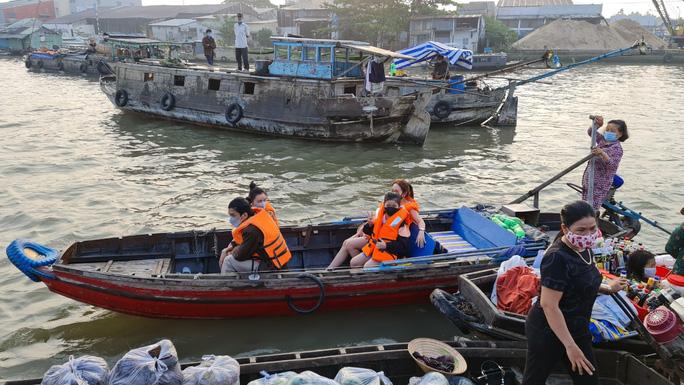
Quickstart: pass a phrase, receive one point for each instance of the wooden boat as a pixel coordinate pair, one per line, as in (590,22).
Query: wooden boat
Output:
(472,310)
(312,90)
(176,275)
(394,360)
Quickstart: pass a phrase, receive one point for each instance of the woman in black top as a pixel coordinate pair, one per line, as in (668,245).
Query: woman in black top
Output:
(557,326)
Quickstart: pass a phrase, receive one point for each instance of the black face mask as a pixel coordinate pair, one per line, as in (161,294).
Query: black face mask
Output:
(391,211)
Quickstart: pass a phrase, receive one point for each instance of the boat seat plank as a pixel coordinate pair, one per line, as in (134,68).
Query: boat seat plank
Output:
(139,268)
(452,242)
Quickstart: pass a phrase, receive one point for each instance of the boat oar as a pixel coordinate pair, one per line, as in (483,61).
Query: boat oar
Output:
(592,161)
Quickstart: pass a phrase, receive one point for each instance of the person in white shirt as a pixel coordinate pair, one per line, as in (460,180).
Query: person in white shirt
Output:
(241,35)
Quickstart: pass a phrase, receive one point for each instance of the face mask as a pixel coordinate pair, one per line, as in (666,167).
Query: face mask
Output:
(234,221)
(391,211)
(582,241)
(650,272)
(261,205)
(610,136)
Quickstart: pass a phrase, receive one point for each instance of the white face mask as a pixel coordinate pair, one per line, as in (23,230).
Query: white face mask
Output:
(650,272)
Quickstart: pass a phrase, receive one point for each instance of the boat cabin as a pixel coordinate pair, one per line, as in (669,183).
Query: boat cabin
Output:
(137,48)
(323,58)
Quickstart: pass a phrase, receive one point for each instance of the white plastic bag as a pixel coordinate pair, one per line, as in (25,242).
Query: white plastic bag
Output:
(150,365)
(310,378)
(361,376)
(273,379)
(512,262)
(432,378)
(86,370)
(213,370)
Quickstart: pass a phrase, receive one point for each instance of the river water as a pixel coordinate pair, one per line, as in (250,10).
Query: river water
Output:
(73,167)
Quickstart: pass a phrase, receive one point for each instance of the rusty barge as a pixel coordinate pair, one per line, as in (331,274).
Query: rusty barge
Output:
(312,89)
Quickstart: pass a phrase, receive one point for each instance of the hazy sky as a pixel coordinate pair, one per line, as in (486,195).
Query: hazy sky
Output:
(610,7)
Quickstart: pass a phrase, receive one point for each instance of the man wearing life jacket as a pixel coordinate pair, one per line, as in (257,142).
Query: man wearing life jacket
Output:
(256,240)
(389,234)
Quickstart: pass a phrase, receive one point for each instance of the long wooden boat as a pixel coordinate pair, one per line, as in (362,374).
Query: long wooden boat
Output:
(394,360)
(176,275)
(313,89)
(472,310)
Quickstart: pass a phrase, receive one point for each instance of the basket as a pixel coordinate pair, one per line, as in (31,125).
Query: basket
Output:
(434,348)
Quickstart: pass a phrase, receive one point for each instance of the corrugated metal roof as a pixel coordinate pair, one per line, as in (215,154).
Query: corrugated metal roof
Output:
(532,3)
(69,19)
(155,12)
(173,23)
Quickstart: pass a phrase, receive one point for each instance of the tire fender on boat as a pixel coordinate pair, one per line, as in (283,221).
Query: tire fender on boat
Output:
(60,66)
(121,98)
(83,67)
(28,261)
(321,295)
(28,63)
(234,113)
(667,58)
(167,102)
(39,64)
(442,109)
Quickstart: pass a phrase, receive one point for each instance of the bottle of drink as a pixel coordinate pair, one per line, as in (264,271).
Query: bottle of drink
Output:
(651,284)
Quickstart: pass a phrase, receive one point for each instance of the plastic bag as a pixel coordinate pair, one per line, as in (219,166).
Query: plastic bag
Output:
(310,378)
(361,376)
(213,370)
(274,379)
(432,378)
(86,370)
(150,365)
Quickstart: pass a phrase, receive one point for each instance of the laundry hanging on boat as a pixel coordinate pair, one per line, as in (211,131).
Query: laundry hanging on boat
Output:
(375,75)
(426,51)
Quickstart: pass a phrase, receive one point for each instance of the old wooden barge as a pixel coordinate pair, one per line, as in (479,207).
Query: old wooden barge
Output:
(312,89)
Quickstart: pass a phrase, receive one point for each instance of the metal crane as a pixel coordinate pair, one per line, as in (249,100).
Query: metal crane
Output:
(676,33)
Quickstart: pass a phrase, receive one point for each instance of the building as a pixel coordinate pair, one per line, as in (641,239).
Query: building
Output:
(13,11)
(475,8)
(524,16)
(306,18)
(82,24)
(649,22)
(178,30)
(26,35)
(136,20)
(458,31)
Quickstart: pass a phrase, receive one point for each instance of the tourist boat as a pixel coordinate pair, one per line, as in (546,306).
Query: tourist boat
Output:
(472,310)
(395,361)
(176,275)
(312,89)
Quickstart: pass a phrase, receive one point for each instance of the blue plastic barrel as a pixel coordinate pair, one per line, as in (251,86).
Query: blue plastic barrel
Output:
(456,84)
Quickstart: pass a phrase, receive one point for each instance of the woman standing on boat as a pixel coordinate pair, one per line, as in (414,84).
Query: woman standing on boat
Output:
(258,198)
(557,326)
(608,153)
(352,246)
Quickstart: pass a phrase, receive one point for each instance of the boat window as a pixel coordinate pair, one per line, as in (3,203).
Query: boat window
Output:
(350,89)
(281,52)
(325,55)
(310,53)
(149,77)
(179,81)
(249,88)
(296,53)
(214,84)
(341,55)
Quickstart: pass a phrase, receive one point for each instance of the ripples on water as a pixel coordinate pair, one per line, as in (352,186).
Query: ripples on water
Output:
(73,167)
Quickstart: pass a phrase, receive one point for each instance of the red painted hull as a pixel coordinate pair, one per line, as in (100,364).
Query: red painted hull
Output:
(232,303)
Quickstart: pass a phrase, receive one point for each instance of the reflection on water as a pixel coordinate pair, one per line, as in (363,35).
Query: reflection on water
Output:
(73,167)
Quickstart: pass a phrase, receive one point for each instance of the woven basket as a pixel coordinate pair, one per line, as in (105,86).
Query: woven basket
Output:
(434,348)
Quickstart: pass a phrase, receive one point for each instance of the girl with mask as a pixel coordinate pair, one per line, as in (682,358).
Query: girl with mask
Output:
(389,235)
(258,199)
(641,265)
(408,201)
(557,326)
(608,153)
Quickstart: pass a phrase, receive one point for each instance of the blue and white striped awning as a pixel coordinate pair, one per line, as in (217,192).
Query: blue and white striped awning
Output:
(426,51)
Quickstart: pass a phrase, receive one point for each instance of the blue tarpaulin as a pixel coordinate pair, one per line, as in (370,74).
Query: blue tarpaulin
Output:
(426,51)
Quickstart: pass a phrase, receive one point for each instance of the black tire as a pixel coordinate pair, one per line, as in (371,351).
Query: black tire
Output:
(83,68)
(233,113)
(121,98)
(633,224)
(167,102)
(60,66)
(39,64)
(667,58)
(442,109)
(28,63)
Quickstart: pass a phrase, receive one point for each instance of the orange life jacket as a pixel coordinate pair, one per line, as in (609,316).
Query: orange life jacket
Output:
(271,211)
(411,204)
(274,243)
(388,231)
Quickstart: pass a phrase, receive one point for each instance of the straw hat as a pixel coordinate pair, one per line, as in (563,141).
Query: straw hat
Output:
(433,348)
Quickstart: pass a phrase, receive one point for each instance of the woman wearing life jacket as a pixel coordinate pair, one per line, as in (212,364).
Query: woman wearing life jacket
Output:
(258,198)
(405,190)
(256,240)
(389,235)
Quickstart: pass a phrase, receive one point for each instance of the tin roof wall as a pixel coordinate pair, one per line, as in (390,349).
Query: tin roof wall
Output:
(79,16)
(532,3)
(155,12)
(554,11)
(305,4)
(173,23)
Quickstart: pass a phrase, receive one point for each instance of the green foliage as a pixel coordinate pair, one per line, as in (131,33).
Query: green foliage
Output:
(498,35)
(263,37)
(378,22)
(431,7)
(226,28)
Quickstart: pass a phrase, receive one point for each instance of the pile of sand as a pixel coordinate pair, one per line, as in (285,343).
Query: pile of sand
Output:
(584,36)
